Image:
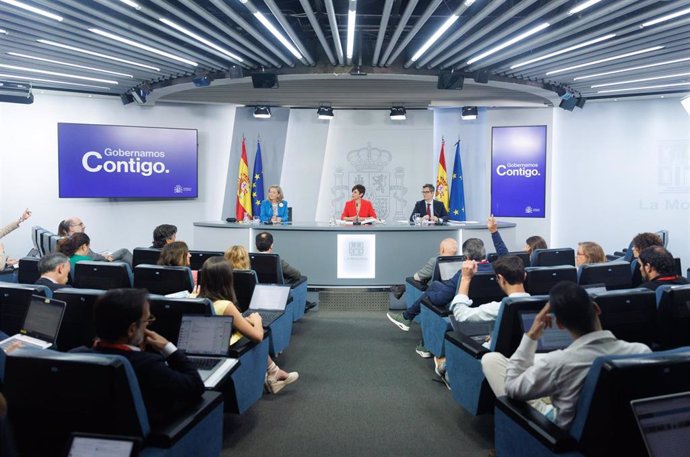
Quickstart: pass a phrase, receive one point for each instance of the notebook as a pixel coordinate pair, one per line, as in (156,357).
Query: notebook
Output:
(205,339)
(269,300)
(552,339)
(89,445)
(41,324)
(664,422)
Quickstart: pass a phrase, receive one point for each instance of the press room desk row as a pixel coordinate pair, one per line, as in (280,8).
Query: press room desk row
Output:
(346,255)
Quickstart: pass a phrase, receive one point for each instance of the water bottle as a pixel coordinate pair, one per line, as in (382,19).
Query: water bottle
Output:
(331,221)
(246,218)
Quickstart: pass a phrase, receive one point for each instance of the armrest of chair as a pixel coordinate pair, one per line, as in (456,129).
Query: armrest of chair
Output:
(542,429)
(467,344)
(296,284)
(440,310)
(244,345)
(166,436)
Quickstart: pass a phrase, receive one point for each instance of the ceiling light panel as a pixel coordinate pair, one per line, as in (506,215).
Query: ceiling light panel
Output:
(58,62)
(33,9)
(52,81)
(510,42)
(98,54)
(200,39)
(665,18)
(55,73)
(271,28)
(641,80)
(135,44)
(608,59)
(638,67)
(642,88)
(563,51)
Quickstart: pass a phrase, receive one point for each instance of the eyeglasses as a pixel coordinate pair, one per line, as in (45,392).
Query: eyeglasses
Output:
(81,224)
(427,192)
(151,319)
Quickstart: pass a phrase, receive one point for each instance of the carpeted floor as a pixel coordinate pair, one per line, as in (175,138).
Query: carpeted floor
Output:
(363,391)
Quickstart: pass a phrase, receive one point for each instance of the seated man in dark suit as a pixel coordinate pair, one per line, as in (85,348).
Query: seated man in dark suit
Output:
(166,377)
(264,243)
(658,268)
(429,209)
(54,269)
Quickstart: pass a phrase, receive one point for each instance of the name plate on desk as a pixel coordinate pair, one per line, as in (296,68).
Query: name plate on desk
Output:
(356,256)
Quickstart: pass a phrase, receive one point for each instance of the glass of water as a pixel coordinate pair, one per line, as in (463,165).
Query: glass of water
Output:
(417,220)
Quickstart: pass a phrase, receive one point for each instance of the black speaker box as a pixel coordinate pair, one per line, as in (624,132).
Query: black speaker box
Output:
(265,81)
(448,80)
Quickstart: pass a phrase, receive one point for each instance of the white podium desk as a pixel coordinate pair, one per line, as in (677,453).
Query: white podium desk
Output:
(346,255)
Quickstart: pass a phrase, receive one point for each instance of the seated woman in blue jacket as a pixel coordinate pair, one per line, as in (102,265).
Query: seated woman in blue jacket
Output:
(274,208)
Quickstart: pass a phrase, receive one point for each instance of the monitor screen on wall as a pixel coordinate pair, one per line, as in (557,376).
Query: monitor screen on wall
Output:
(518,171)
(115,161)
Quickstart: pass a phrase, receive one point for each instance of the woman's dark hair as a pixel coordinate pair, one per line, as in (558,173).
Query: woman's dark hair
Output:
(116,310)
(359,188)
(174,254)
(162,234)
(70,244)
(535,242)
(215,280)
(63,228)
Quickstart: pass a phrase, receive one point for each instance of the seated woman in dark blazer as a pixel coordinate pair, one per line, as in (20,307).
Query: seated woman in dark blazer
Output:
(358,208)
(274,208)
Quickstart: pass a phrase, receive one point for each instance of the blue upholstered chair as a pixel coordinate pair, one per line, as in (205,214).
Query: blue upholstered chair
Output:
(60,393)
(14,302)
(169,312)
(673,316)
(145,256)
(247,381)
(540,280)
(244,282)
(269,270)
(28,270)
(77,327)
(604,424)
(552,257)
(102,275)
(629,314)
(197,258)
(163,280)
(463,354)
(614,275)
(444,269)
(524,255)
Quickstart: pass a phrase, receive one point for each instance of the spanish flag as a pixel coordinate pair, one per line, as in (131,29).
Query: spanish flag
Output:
(442,193)
(244,188)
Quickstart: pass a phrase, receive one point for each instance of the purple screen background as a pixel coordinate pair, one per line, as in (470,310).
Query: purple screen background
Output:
(519,151)
(179,180)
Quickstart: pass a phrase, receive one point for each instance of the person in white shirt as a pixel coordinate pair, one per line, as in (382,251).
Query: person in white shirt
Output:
(510,276)
(558,374)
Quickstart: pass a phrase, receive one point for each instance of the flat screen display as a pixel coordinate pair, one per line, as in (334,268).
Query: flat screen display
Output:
(518,171)
(114,161)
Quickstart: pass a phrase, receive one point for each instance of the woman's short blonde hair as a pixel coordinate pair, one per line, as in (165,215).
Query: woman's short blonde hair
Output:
(238,257)
(593,252)
(280,192)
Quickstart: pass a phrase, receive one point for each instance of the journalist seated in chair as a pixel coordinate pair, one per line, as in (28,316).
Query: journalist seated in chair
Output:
(54,269)
(589,252)
(264,243)
(238,257)
(14,225)
(176,254)
(76,247)
(72,225)
(658,268)
(163,234)
(558,374)
(448,247)
(216,284)
(641,242)
(275,208)
(167,379)
(428,209)
(534,242)
(358,208)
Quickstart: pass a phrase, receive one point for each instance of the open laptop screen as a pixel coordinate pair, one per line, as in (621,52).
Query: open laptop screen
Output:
(205,335)
(43,318)
(269,297)
(664,423)
(552,339)
(88,445)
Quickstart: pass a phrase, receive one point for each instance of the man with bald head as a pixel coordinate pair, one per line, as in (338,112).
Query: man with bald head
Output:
(74,224)
(449,246)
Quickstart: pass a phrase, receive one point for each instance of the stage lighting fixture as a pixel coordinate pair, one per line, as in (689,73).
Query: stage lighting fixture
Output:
(580,102)
(325,112)
(450,80)
(469,113)
(262,112)
(126,98)
(568,101)
(264,80)
(15,92)
(481,76)
(685,101)
(398,113)
(202,81)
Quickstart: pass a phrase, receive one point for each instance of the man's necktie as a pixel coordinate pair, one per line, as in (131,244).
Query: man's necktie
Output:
(428,210)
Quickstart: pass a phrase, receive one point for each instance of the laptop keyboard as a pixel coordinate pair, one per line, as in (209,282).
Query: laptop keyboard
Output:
(266,316)
(203,363)
(23,344)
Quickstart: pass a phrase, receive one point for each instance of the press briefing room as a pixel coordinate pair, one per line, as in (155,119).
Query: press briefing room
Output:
(344,227)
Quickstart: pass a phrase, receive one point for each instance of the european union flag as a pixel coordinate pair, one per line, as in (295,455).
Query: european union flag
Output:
(258,181)
(457,189)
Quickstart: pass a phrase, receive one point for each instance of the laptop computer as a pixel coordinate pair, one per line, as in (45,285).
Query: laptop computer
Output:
(269,300)
(595,289)
(41,324)
(478,331)
(89,445)
(205,339)
(664,422)
(552,339)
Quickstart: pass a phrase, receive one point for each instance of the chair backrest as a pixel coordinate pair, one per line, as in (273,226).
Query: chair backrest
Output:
(45,241)
(540,280)
(604,423)
(289,218)
(77,327)
(198,258)
(446,267)
(268,268)
(59,393)
(524,255)
(35,230)
(552,257)
(629,314)
(244,281)
(484,288)
(14,302)
(673,315)
(169,311)
(508,329)
(28,270)
(663,234)
(163,280)
(53,243)
(102,275)
(148,256)
(615,275)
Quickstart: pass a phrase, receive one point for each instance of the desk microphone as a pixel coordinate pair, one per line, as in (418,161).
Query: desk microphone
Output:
(230,219)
